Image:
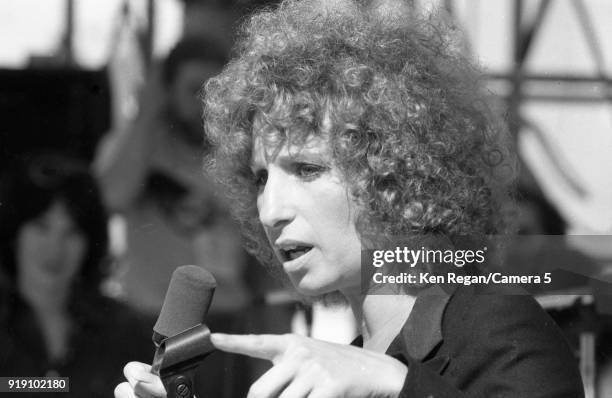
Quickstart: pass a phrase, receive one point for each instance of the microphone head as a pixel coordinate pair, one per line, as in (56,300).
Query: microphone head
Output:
(187,300)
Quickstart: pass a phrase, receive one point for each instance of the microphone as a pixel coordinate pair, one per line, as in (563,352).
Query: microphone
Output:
(186,303)
(181,338)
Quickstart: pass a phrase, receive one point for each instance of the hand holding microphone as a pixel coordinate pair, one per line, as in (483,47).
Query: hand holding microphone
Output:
(302,366)
(141,383)
(179,334)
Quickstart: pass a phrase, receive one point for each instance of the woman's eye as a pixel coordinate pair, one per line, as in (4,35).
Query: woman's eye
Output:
(261,177)
(308,170)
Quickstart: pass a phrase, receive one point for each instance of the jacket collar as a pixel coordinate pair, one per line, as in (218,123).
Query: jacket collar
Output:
(422,332)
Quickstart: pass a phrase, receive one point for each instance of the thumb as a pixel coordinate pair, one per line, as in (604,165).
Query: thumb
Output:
(142,381)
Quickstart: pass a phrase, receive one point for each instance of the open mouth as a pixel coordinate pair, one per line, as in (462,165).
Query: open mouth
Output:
(291,254)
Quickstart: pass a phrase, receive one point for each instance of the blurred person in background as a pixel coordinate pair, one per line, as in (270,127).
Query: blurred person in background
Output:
(152,174)
(54,320)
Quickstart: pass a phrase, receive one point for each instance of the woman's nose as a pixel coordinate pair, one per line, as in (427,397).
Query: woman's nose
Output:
(274,203)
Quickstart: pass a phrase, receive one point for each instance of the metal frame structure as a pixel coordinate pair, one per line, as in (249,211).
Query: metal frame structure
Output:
(66,46)
(554,88)
(549,87)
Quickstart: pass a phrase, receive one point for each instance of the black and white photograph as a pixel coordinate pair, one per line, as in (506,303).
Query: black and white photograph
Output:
(306,198)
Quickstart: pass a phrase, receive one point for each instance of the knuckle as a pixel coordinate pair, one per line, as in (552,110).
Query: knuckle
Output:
(257,339)
(323,393)
(128,367)
(330,383)
(134,369)
(296,347)
(123,390)
(256,390)
(291,338)
(314,367)
(298,352)
(333,390)
(288,338)
(128,370)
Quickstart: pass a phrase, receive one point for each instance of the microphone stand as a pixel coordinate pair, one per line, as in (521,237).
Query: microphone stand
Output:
(177,357)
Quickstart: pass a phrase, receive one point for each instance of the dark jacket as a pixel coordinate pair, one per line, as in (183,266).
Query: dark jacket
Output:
(484,342)
(103,340)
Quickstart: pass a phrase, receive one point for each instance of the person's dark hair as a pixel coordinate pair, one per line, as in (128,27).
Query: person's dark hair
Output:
(403,110)
(30,187)
(192,49)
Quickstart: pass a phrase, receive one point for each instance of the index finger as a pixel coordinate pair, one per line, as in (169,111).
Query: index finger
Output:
(263,346)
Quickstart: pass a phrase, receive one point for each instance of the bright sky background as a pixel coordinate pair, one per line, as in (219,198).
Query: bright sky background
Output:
(36,27)
(581,133)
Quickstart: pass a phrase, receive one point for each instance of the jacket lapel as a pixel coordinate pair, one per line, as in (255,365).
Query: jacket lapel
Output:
(422,332)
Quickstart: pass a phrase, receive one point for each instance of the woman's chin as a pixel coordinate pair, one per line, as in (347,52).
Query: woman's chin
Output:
(309,291)
(313,288)
(310,288)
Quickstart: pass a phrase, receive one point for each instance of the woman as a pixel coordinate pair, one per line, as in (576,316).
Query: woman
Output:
(339,121)
(54,320)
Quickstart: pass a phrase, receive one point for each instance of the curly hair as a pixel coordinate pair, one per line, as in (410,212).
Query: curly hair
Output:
(403,110)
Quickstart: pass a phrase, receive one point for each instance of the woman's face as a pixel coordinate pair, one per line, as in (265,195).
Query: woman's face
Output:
(308,216)
(50,250)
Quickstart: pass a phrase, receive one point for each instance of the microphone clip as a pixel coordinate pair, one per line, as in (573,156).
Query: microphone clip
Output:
(177,357)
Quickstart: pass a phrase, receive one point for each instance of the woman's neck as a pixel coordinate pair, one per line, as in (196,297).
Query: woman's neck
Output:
(45,300)
(381,318)
(50,311)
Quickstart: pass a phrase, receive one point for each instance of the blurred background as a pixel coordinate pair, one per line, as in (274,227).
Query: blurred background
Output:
(72,74)
(548,60)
